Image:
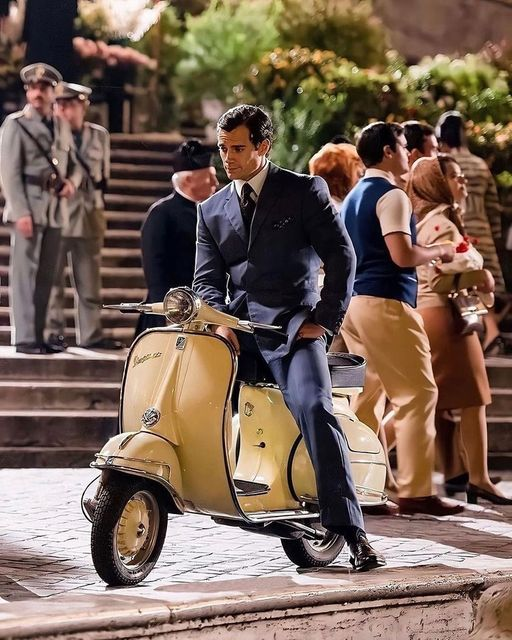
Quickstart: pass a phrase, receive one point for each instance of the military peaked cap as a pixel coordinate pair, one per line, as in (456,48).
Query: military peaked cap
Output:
(190,156)
(72,91)
(40,72)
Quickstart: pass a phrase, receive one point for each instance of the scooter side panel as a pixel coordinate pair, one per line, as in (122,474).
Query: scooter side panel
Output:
(366,458)
(185,378)
(267,435)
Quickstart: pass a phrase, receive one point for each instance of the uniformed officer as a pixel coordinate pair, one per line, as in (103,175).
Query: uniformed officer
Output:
(82,235)
(37,174)
(169,232)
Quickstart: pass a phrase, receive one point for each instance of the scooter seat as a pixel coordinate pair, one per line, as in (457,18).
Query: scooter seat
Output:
(346,369)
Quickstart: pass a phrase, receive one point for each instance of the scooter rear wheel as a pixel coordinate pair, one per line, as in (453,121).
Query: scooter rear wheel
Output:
(314,553)
(128,530)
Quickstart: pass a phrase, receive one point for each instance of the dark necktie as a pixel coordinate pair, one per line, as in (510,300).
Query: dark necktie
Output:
(247,204)
(77,137)
(48,122)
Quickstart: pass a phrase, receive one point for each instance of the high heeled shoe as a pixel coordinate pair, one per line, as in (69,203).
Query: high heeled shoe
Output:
(459,484)
(474,492)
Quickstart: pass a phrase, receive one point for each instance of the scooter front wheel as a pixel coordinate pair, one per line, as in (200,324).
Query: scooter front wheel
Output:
(128,530)
(314,553)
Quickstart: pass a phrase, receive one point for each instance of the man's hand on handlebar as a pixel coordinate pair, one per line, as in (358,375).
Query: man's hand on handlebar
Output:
(310,331)
(230,336)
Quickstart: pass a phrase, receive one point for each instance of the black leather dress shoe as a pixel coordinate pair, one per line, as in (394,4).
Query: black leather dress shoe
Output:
(363,556)
(57,341)
(105,343)
(31,348)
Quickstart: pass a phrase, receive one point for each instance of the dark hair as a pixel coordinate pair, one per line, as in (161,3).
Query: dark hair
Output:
(255,119)
(341,138)
(374,137)
(450,129)
(415,133)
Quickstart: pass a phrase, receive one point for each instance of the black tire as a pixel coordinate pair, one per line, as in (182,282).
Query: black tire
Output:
(115,535)
(307,553)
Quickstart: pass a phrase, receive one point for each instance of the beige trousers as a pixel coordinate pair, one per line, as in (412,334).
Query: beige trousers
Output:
(390,335)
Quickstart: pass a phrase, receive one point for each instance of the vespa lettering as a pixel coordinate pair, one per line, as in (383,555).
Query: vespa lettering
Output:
(147,356)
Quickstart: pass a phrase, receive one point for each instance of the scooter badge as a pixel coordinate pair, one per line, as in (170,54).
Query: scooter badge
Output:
(180,342)
(150,417)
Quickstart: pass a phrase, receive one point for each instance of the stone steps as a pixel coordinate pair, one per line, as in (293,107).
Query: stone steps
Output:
(82,395)
(109,296)
(125,334)
(147,142)
(73,365)
(501,403)
(143,157)
(125,220)
(121,238)
(110,256)
(122,170)
(109,318)
(119,277)
(137,187)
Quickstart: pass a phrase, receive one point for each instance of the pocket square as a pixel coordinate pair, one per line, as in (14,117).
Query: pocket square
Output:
(279,224)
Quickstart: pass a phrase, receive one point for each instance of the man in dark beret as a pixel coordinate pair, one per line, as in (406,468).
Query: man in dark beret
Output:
(168,239)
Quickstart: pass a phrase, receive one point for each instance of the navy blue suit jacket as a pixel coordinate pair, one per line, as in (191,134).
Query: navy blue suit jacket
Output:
(274,269)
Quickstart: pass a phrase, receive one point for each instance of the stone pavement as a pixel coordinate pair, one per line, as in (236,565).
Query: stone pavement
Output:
(44,542)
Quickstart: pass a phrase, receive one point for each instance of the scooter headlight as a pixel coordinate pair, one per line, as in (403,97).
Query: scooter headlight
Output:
(181,305)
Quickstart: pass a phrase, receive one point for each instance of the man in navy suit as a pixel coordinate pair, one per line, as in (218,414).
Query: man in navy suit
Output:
(261,241)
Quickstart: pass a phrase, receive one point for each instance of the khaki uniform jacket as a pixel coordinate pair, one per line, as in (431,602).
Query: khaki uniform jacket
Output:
(86,207)
(20,157)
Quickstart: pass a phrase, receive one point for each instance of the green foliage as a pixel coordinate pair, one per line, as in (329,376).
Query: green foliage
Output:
(346,27)
(471,85)
(315,95)
(162,43)
(221,44)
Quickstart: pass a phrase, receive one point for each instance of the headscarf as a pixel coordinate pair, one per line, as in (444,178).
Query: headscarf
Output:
(428,189)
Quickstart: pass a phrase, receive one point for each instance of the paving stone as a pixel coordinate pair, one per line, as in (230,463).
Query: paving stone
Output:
(46,551)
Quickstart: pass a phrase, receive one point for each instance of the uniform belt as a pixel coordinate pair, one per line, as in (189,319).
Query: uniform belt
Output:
(34,180)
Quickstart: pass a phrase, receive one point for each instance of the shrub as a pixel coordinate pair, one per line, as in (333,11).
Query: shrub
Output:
(471,85)
(314,95)
(346,27)
(221,44)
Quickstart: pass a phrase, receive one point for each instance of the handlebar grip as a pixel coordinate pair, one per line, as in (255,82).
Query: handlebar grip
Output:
(278,336)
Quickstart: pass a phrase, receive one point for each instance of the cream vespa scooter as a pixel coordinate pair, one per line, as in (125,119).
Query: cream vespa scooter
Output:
(180,450)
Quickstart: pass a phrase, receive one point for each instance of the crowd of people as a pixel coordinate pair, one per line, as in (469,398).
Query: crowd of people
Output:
(426,386)
(393,221)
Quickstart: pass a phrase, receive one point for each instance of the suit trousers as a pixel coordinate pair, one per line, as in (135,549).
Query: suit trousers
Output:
(31,274)
(84,258)
(390,335)
(304,379)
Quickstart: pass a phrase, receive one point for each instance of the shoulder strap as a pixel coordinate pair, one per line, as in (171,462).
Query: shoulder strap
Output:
(44,152)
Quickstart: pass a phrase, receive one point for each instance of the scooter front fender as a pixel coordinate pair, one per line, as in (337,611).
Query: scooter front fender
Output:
(147,455)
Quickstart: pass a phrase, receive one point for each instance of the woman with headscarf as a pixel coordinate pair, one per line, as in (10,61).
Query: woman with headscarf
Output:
(437,188)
